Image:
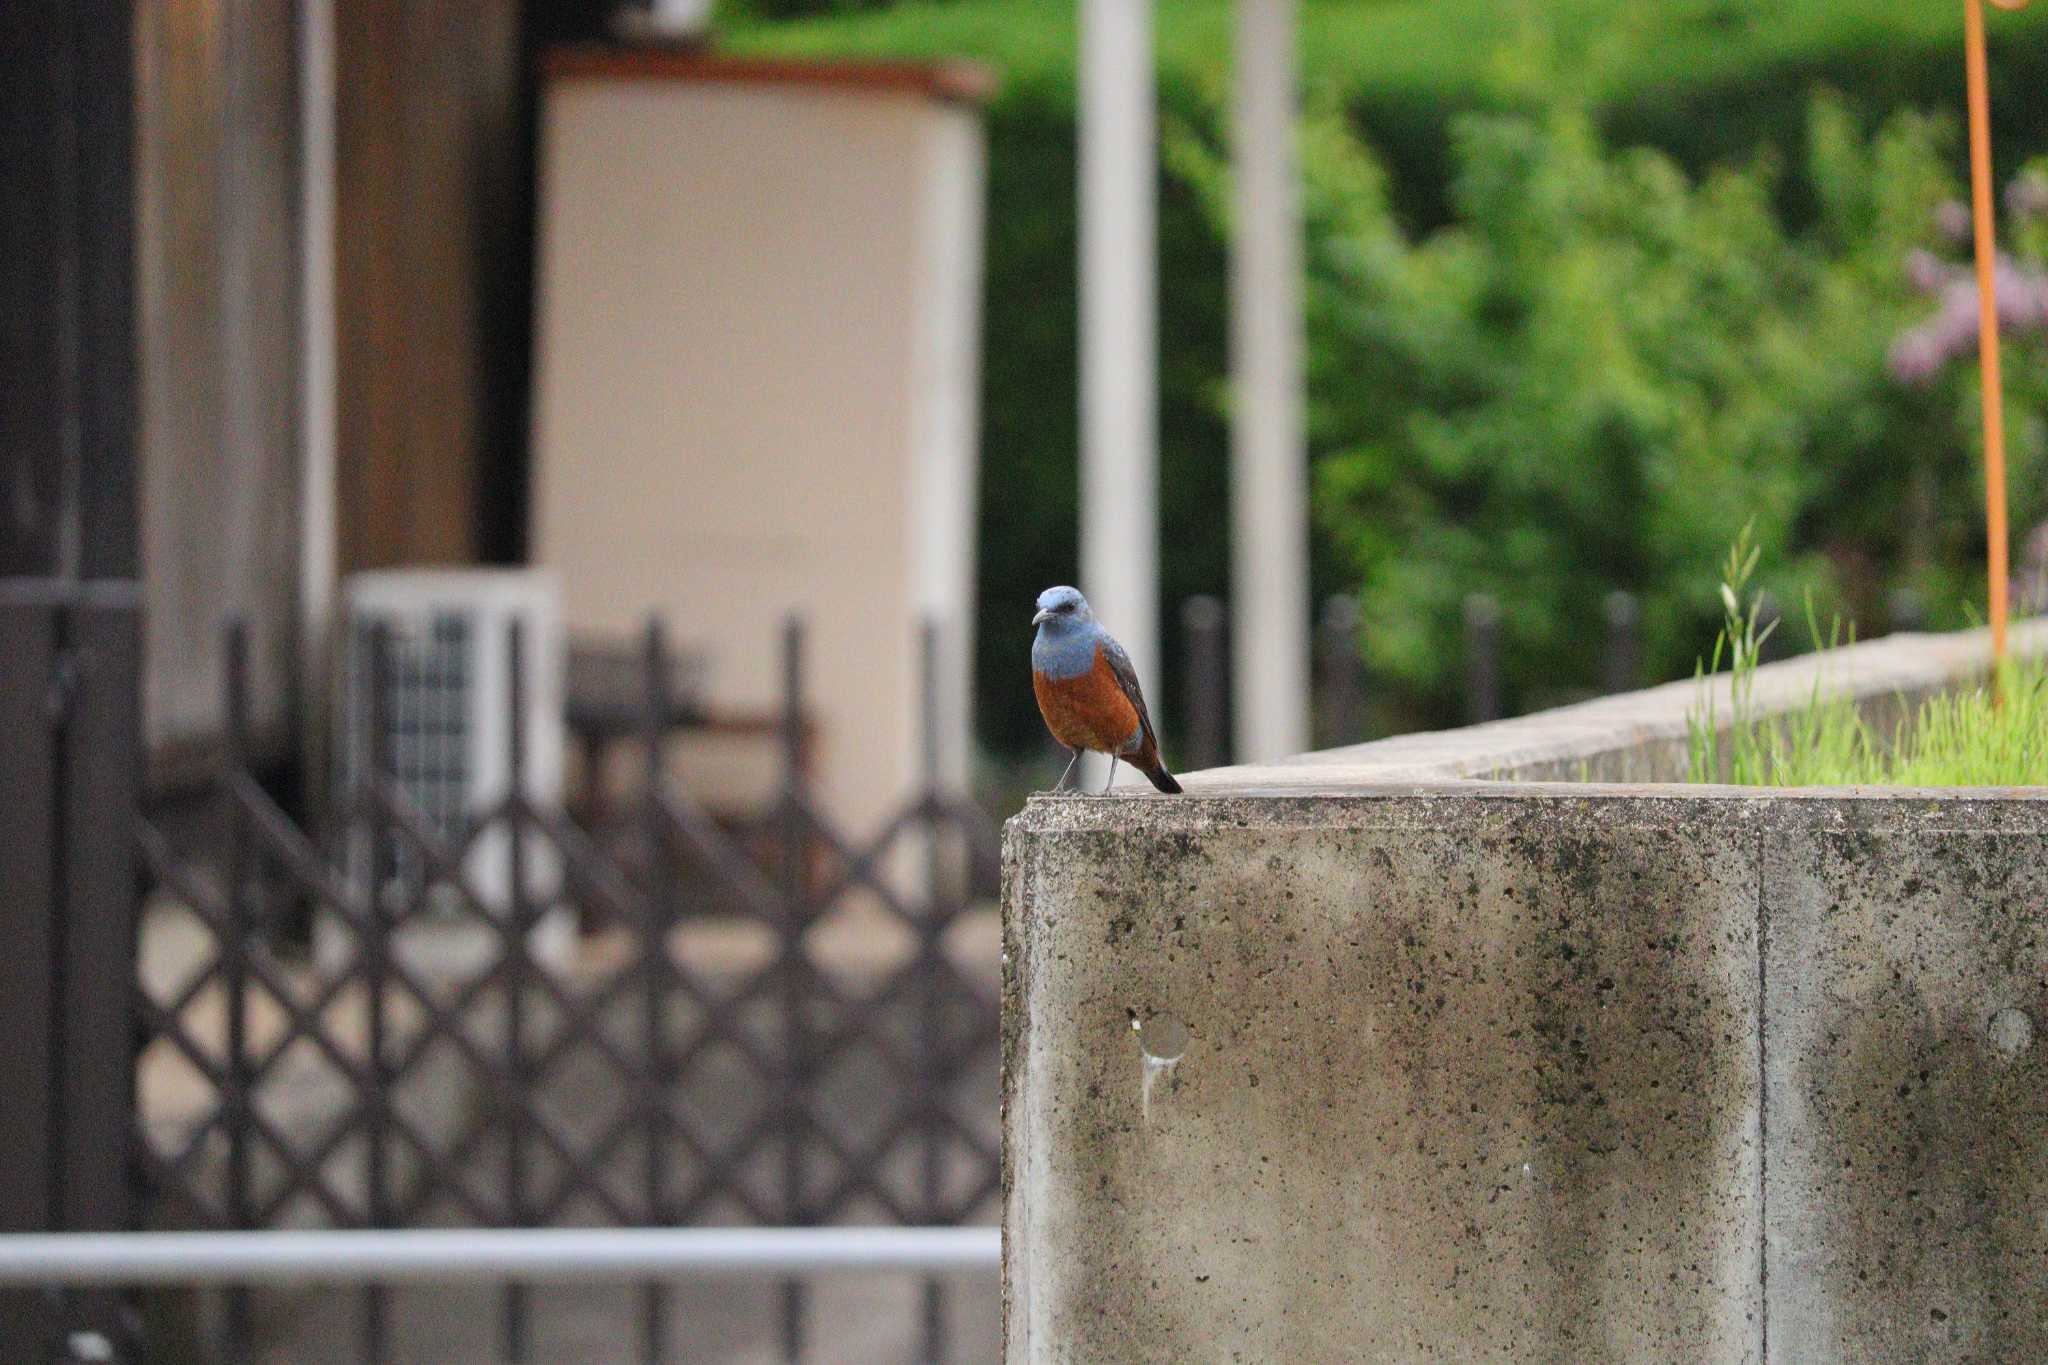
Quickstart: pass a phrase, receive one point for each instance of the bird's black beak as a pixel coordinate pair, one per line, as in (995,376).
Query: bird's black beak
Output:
(1045,615)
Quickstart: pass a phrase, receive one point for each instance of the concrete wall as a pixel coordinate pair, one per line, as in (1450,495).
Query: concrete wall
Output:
(1906,1100)
(1508,1070)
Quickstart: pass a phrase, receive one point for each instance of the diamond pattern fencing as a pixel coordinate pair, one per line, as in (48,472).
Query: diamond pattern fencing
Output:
(824,1055)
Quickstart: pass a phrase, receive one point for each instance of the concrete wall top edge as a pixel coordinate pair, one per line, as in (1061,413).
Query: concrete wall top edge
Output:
(1633,734)
(1427,803)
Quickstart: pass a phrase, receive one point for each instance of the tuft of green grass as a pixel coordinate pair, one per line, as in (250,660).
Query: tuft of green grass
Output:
(1991,734)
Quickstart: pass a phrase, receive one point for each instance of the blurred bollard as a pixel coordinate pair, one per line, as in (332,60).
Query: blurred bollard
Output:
(1908,611)
(1482,658)
(1342,673)
(2030,589)
(1202,617)
(1624,641)
(1771,628)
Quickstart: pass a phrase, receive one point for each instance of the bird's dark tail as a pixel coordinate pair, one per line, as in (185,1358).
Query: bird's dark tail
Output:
(1161,778)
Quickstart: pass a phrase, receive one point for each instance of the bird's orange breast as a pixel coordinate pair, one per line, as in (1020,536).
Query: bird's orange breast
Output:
(1089,710)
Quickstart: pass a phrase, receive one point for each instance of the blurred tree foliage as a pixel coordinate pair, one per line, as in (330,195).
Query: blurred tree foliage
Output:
(1600,368)
(1710,84)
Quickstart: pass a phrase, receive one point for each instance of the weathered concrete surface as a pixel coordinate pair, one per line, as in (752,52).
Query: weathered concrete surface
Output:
(1907,1103)
(1511,1071)
(1467,1079)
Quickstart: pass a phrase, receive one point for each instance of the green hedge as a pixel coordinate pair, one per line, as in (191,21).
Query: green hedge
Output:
(1706,81)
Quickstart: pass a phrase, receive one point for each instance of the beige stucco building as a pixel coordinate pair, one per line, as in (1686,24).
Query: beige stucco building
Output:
(755,386)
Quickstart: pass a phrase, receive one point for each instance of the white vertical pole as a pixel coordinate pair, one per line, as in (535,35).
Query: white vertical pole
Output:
(1269,471)
(317,370)
(1119,330)
(944,425)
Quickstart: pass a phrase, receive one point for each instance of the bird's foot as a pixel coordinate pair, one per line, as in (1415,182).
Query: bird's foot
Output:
(1061,785)
(1112,777)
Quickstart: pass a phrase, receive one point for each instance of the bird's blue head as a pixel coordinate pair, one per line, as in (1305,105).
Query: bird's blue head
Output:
(1062,609)
(1065,644)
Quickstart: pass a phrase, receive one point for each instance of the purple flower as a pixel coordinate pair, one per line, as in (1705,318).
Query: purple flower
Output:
(1926,271)
(1920,353)
(2022,295)
(2027,196)
(1952,220)
(1915,357)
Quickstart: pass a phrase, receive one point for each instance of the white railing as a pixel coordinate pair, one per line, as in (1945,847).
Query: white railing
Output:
(537,1254)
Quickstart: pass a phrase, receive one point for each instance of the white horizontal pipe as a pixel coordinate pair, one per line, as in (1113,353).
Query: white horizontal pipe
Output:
(542,1254)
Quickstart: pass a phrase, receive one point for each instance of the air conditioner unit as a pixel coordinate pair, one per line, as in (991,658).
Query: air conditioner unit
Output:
(447,707)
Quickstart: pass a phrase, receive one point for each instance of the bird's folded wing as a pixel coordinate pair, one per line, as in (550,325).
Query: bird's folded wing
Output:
(1127,679)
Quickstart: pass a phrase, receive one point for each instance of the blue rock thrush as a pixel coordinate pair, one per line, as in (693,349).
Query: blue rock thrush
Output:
(1088,691)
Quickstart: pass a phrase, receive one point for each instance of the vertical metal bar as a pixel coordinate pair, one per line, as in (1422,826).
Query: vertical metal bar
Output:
(29,636)
(318,424)
(518,967)
(795,1001)
(1482,658)
(595,813)
(98,784)
(1202,619)
(930,930)
(234,964)
(1624,641)
(377,767)
(1908,611)
(660,909)
(1342,685)
(69,655)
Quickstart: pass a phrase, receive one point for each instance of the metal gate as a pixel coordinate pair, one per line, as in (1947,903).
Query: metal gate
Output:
(774,1024)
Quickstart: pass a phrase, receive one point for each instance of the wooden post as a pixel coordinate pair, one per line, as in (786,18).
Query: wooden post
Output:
(1482,659)
(1205,680)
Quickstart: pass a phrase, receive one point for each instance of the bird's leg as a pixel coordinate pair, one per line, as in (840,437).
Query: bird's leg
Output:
(1061,784)
(1112,776)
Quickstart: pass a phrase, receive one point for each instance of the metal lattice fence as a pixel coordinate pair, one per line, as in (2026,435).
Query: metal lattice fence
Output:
(774,1024)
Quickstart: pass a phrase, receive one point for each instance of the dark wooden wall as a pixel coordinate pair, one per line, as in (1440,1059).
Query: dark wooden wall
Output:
(432,269)
(429,202)
(436,206)
(218,261)
(67,491)
(434,130)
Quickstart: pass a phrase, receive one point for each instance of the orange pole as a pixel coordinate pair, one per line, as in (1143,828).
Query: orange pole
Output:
(1987,312)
